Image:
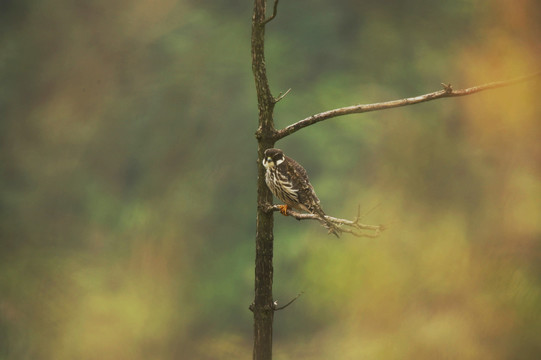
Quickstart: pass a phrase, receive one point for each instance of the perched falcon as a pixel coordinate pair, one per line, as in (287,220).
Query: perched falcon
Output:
(289,182)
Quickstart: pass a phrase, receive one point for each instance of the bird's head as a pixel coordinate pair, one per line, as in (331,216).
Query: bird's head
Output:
(273,157)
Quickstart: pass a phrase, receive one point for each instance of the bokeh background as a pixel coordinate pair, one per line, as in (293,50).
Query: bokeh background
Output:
(128,164)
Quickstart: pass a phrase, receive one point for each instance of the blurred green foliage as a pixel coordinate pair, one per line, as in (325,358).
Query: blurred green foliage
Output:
(127,180)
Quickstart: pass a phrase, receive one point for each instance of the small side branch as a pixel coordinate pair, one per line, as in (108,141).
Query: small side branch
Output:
(274,11)
(281,96)
(289,303)
(447,91)
(353,227)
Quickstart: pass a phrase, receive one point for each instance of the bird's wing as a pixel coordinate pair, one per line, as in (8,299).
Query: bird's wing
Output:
(300,181)
(307,198)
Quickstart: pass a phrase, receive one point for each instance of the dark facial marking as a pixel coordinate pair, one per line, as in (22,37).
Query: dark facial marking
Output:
(274,154)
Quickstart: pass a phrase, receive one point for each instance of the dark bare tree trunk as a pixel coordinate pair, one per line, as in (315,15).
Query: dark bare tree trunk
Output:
(262,306)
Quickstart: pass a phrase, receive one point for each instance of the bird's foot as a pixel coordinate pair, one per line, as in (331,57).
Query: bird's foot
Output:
(283,209)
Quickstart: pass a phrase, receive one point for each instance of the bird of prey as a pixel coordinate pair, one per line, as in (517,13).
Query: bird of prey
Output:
(289,182)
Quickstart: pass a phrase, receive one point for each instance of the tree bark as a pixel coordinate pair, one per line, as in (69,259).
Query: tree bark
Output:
(263,305)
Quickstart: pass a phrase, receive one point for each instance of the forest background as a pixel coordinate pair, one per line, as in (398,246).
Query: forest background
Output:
(128,164)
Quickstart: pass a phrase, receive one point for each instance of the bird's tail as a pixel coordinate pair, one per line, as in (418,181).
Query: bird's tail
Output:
(333,229)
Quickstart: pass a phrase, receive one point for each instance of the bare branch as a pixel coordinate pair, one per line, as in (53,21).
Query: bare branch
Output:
(357,109)
(274,11)
(281,96)
(343,225)
(289,303)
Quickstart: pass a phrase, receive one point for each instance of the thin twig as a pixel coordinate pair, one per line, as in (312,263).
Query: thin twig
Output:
(274,11)
(289,303)
(281,96)
(357,109)
(344,225)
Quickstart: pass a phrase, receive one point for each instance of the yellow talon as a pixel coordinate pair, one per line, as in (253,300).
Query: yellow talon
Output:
(283,209)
